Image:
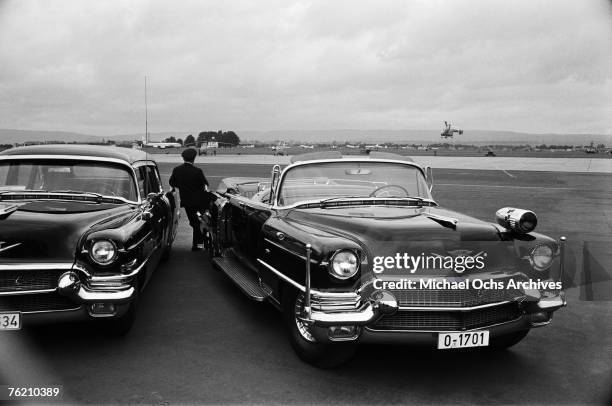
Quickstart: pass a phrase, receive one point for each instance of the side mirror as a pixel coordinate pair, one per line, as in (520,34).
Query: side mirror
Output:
(429,177)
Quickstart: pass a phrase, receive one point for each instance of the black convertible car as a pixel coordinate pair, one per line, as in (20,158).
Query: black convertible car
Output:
(356,249)
(82,228)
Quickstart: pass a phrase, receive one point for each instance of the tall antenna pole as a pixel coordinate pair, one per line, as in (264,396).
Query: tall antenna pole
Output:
(146,137)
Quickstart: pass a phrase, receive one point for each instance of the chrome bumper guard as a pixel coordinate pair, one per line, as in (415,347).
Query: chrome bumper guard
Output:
(70,286)
(380,303)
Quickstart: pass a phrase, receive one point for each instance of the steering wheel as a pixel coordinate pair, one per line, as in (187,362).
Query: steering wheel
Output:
(403,189)
(107,189)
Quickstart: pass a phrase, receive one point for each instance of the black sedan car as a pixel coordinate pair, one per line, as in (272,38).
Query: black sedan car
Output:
(356,249)
(82,228)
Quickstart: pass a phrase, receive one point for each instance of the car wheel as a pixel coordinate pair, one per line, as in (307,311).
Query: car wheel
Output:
(508,340)
(306,346)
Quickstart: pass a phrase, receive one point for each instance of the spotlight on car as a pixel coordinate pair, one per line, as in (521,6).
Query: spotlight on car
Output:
(518,220)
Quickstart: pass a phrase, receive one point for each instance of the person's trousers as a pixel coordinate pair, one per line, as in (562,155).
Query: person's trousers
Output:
(194,222)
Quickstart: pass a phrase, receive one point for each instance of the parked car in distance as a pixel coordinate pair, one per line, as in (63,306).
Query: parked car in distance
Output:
(82,228)
(311,238)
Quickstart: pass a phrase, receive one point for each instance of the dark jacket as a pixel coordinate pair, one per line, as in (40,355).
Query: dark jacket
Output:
(190,182)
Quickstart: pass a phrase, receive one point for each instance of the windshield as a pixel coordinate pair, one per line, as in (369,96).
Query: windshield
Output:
(74,176)
(319,181)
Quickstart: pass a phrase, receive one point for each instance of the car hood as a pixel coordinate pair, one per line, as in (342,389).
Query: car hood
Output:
(49,231)
(382,230)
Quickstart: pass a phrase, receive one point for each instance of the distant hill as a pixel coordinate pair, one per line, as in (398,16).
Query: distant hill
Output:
(153,137)
(424,137)
(20,136)
(370,136)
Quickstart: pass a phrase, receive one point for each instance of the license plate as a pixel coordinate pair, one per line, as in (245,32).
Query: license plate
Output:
(10,321)
(467,339)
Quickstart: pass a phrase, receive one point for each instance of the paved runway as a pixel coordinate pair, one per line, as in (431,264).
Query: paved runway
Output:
(197,339)
(576,165)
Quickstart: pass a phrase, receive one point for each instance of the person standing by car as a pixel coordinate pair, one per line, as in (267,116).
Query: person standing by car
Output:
(192,186)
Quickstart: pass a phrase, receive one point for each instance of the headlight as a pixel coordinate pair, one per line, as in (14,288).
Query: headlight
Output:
(103,252)
(344,264)
(541,257)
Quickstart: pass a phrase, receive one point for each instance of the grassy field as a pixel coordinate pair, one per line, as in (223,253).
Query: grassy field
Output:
(410,152)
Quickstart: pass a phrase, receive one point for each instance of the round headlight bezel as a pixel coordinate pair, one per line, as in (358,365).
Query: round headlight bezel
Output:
(337,259)
(111,246)
(537,252)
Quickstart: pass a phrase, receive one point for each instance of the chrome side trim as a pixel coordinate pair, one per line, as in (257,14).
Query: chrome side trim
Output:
(314,292)
(282,275)
(36,266)
(53,311)
(26,292)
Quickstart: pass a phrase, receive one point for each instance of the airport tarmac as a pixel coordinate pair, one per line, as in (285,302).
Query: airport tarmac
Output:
(576,165)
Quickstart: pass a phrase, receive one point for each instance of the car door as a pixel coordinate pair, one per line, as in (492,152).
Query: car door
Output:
(256,214)
(154,214)
(169,203)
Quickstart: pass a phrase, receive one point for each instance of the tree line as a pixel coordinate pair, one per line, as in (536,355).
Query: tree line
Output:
(224,138)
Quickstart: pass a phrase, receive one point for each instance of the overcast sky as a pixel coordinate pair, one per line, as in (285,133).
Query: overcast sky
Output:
(533,66)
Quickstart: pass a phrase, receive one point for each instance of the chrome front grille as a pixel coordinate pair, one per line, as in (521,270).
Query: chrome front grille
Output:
(453,297)
(29,279)
(36,303)
(449,320)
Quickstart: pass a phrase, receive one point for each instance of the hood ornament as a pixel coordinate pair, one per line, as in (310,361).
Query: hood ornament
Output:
(5,247)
